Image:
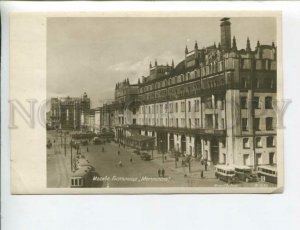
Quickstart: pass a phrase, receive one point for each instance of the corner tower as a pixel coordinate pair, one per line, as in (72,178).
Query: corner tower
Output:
(225,34)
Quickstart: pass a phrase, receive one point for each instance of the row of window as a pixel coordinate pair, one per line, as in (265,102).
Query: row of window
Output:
(173,107)
(258,142)
(258,83)
(257,103)
(256,126)
(191,123)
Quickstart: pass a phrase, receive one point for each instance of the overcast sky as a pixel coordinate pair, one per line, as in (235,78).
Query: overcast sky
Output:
(93,54)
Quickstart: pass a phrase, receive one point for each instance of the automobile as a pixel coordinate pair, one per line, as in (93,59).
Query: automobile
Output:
(84,142)
(145,156)
(97,141)
(245,173)
(267,173)
(136,151)
(226,173)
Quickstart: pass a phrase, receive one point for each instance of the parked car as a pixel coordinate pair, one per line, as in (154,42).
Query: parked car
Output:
(145,156)
(245,173)
(84,142)
(97,141)
(136,151)
(226,173)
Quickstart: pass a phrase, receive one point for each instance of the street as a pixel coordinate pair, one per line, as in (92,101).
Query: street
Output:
(132,173)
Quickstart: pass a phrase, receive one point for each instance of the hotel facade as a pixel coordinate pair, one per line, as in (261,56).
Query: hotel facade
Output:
(216,104)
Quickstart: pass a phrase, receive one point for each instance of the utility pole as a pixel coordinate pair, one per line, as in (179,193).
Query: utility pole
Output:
(65,144)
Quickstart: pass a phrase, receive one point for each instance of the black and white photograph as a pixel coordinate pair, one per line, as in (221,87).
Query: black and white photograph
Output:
(163,102)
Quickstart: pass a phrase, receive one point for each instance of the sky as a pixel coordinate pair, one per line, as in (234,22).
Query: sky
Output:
(92,54)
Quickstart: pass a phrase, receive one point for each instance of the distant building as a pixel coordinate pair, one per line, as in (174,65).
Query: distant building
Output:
(66,111)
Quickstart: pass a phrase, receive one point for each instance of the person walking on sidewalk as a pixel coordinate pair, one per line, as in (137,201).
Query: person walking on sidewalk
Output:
(163,172)
(159,172)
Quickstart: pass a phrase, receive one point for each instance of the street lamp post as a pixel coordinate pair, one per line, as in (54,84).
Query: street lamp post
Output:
(71,156)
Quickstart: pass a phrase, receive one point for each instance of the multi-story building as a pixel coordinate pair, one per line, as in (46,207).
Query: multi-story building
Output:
(66,111)
(216,103)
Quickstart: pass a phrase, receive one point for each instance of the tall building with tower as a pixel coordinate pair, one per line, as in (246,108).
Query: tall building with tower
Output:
(65,112)
(217,103)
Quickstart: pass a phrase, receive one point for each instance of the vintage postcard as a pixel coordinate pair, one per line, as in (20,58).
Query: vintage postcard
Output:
(140,102)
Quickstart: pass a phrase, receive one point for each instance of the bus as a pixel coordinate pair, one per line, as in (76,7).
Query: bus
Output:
(226,173)
(267,173)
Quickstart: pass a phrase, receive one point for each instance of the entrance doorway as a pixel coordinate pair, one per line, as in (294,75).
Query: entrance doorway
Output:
(198,147)
(214,148)
(183,144)
(171,139)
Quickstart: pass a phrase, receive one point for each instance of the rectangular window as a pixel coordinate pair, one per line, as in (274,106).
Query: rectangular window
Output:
(134,121)
(190,123)
(244,124)
(258,142)
(268,103)
(182,122)
(271,158)
(176,122)
(161,108)
(243,102)
(176,107)
(209,121)
(182,106)
(246,144)
(166,107)
(269,123)
(270,142)
(216,121)
(258,159)
(189,106)
(243,82)
(255,103)
(208,103)
(196,105)
(256,124)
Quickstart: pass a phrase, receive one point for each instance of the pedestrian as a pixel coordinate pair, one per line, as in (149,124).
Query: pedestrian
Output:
(120,163)
(201,173)
(205,165)
(159,172)
(163,172)
(130,160)
(103,149)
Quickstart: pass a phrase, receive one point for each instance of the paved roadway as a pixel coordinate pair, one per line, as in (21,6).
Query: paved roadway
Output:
(137,173)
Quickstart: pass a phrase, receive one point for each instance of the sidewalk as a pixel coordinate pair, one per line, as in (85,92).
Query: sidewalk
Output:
(169,164)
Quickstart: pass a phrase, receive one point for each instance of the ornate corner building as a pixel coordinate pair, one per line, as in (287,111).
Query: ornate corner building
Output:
(216,103)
